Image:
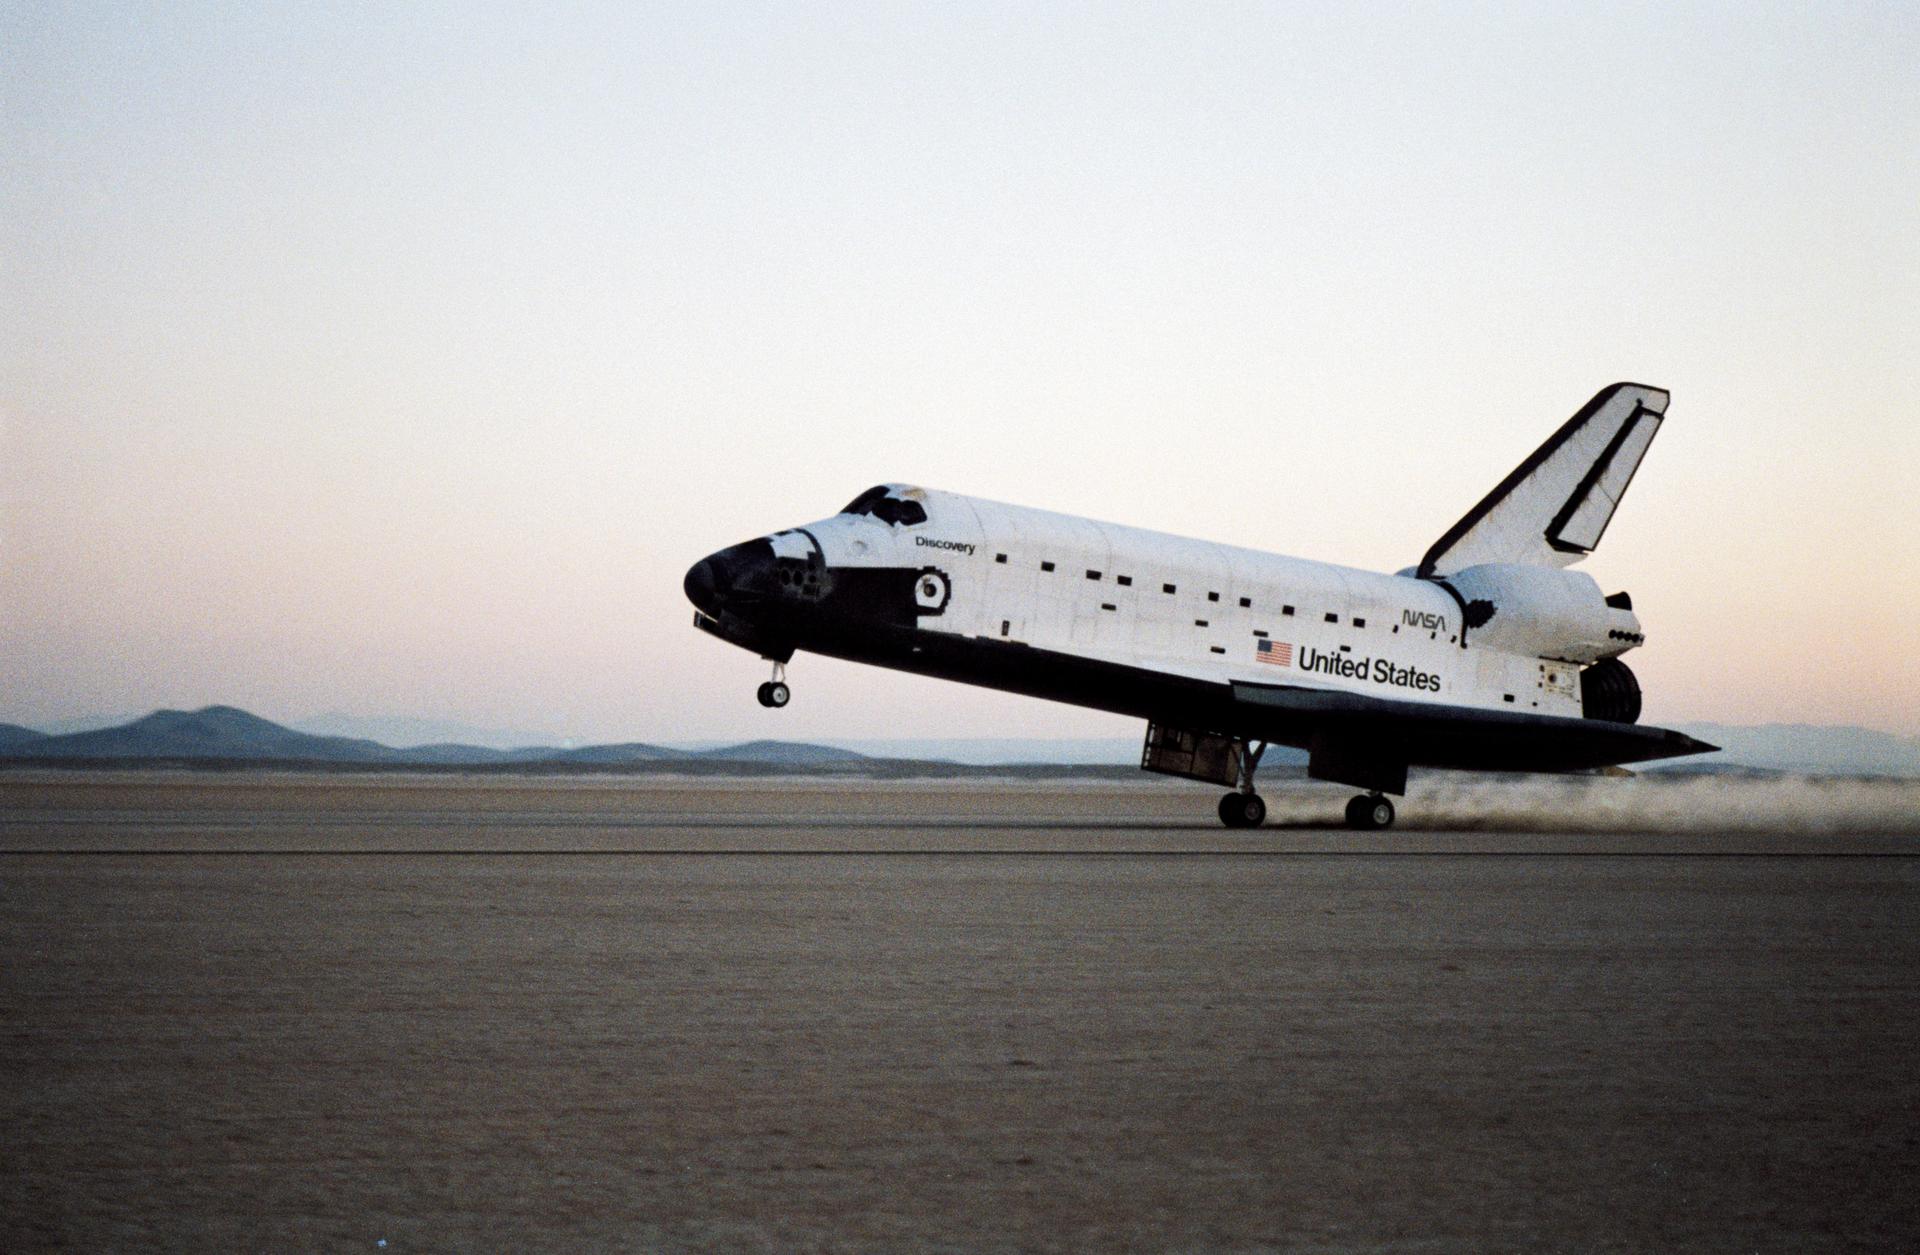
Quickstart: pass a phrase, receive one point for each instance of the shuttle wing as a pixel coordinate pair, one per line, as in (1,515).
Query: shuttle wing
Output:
(1555,506)
(1375,739)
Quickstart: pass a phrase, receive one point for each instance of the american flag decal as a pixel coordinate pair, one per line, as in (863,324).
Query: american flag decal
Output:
(1279,653)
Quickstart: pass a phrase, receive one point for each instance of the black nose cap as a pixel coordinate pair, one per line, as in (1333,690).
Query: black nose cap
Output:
(703,585)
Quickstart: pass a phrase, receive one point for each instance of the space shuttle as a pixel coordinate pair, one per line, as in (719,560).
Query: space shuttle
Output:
(1491,654)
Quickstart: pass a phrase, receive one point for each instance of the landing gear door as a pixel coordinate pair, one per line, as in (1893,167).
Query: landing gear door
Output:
(1196,755)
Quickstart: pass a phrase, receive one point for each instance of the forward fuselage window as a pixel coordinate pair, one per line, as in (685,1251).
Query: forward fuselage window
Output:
(894,511)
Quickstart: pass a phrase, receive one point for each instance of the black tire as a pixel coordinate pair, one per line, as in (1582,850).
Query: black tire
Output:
(1369,814)
(1243,810)
(778,694)
(1230,810)
(760,694)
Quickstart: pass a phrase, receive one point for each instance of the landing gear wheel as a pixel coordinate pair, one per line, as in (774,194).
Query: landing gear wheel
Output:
(1369,812)
(774,693)
(1243,810)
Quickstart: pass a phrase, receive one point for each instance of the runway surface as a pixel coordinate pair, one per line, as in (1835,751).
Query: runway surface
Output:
(271,1012)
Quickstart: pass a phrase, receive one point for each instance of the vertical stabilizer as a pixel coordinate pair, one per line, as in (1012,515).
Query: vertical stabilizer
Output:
(1555,506)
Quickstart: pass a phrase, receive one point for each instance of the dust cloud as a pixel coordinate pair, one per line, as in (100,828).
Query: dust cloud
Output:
(1809,805)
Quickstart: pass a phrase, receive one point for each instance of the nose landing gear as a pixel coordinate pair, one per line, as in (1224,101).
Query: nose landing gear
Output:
(775,693)
(1369,811)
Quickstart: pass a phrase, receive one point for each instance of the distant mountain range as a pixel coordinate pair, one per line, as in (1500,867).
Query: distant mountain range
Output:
(228,734)
(13,735)
(405,730)
(1812,749)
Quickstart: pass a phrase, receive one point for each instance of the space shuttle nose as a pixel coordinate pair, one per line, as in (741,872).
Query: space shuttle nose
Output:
(740,580)
(703,585)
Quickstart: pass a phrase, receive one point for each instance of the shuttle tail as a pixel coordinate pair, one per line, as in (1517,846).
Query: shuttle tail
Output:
(1555,506)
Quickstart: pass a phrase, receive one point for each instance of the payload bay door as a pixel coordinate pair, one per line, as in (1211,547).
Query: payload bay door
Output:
(1086,581)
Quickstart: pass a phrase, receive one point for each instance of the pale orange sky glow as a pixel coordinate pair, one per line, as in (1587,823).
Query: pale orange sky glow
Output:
(400,363)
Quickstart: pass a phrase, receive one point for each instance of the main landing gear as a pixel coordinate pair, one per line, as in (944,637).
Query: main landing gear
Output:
(775,693)
(1243,808)
(1369,811)
(1221,758)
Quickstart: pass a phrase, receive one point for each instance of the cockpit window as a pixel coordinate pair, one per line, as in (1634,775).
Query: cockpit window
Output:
(898,512)
(887,508)
(863,504)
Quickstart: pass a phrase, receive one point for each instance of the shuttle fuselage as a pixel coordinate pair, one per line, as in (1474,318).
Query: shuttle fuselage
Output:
(1508,663)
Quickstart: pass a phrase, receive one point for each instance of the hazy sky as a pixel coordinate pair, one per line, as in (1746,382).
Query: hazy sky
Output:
(400,360)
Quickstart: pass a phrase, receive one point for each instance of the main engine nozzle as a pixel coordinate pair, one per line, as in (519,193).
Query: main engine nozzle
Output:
(1609,691)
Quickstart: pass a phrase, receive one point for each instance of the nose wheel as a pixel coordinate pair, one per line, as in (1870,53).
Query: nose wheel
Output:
(1369,812)
(774,693)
